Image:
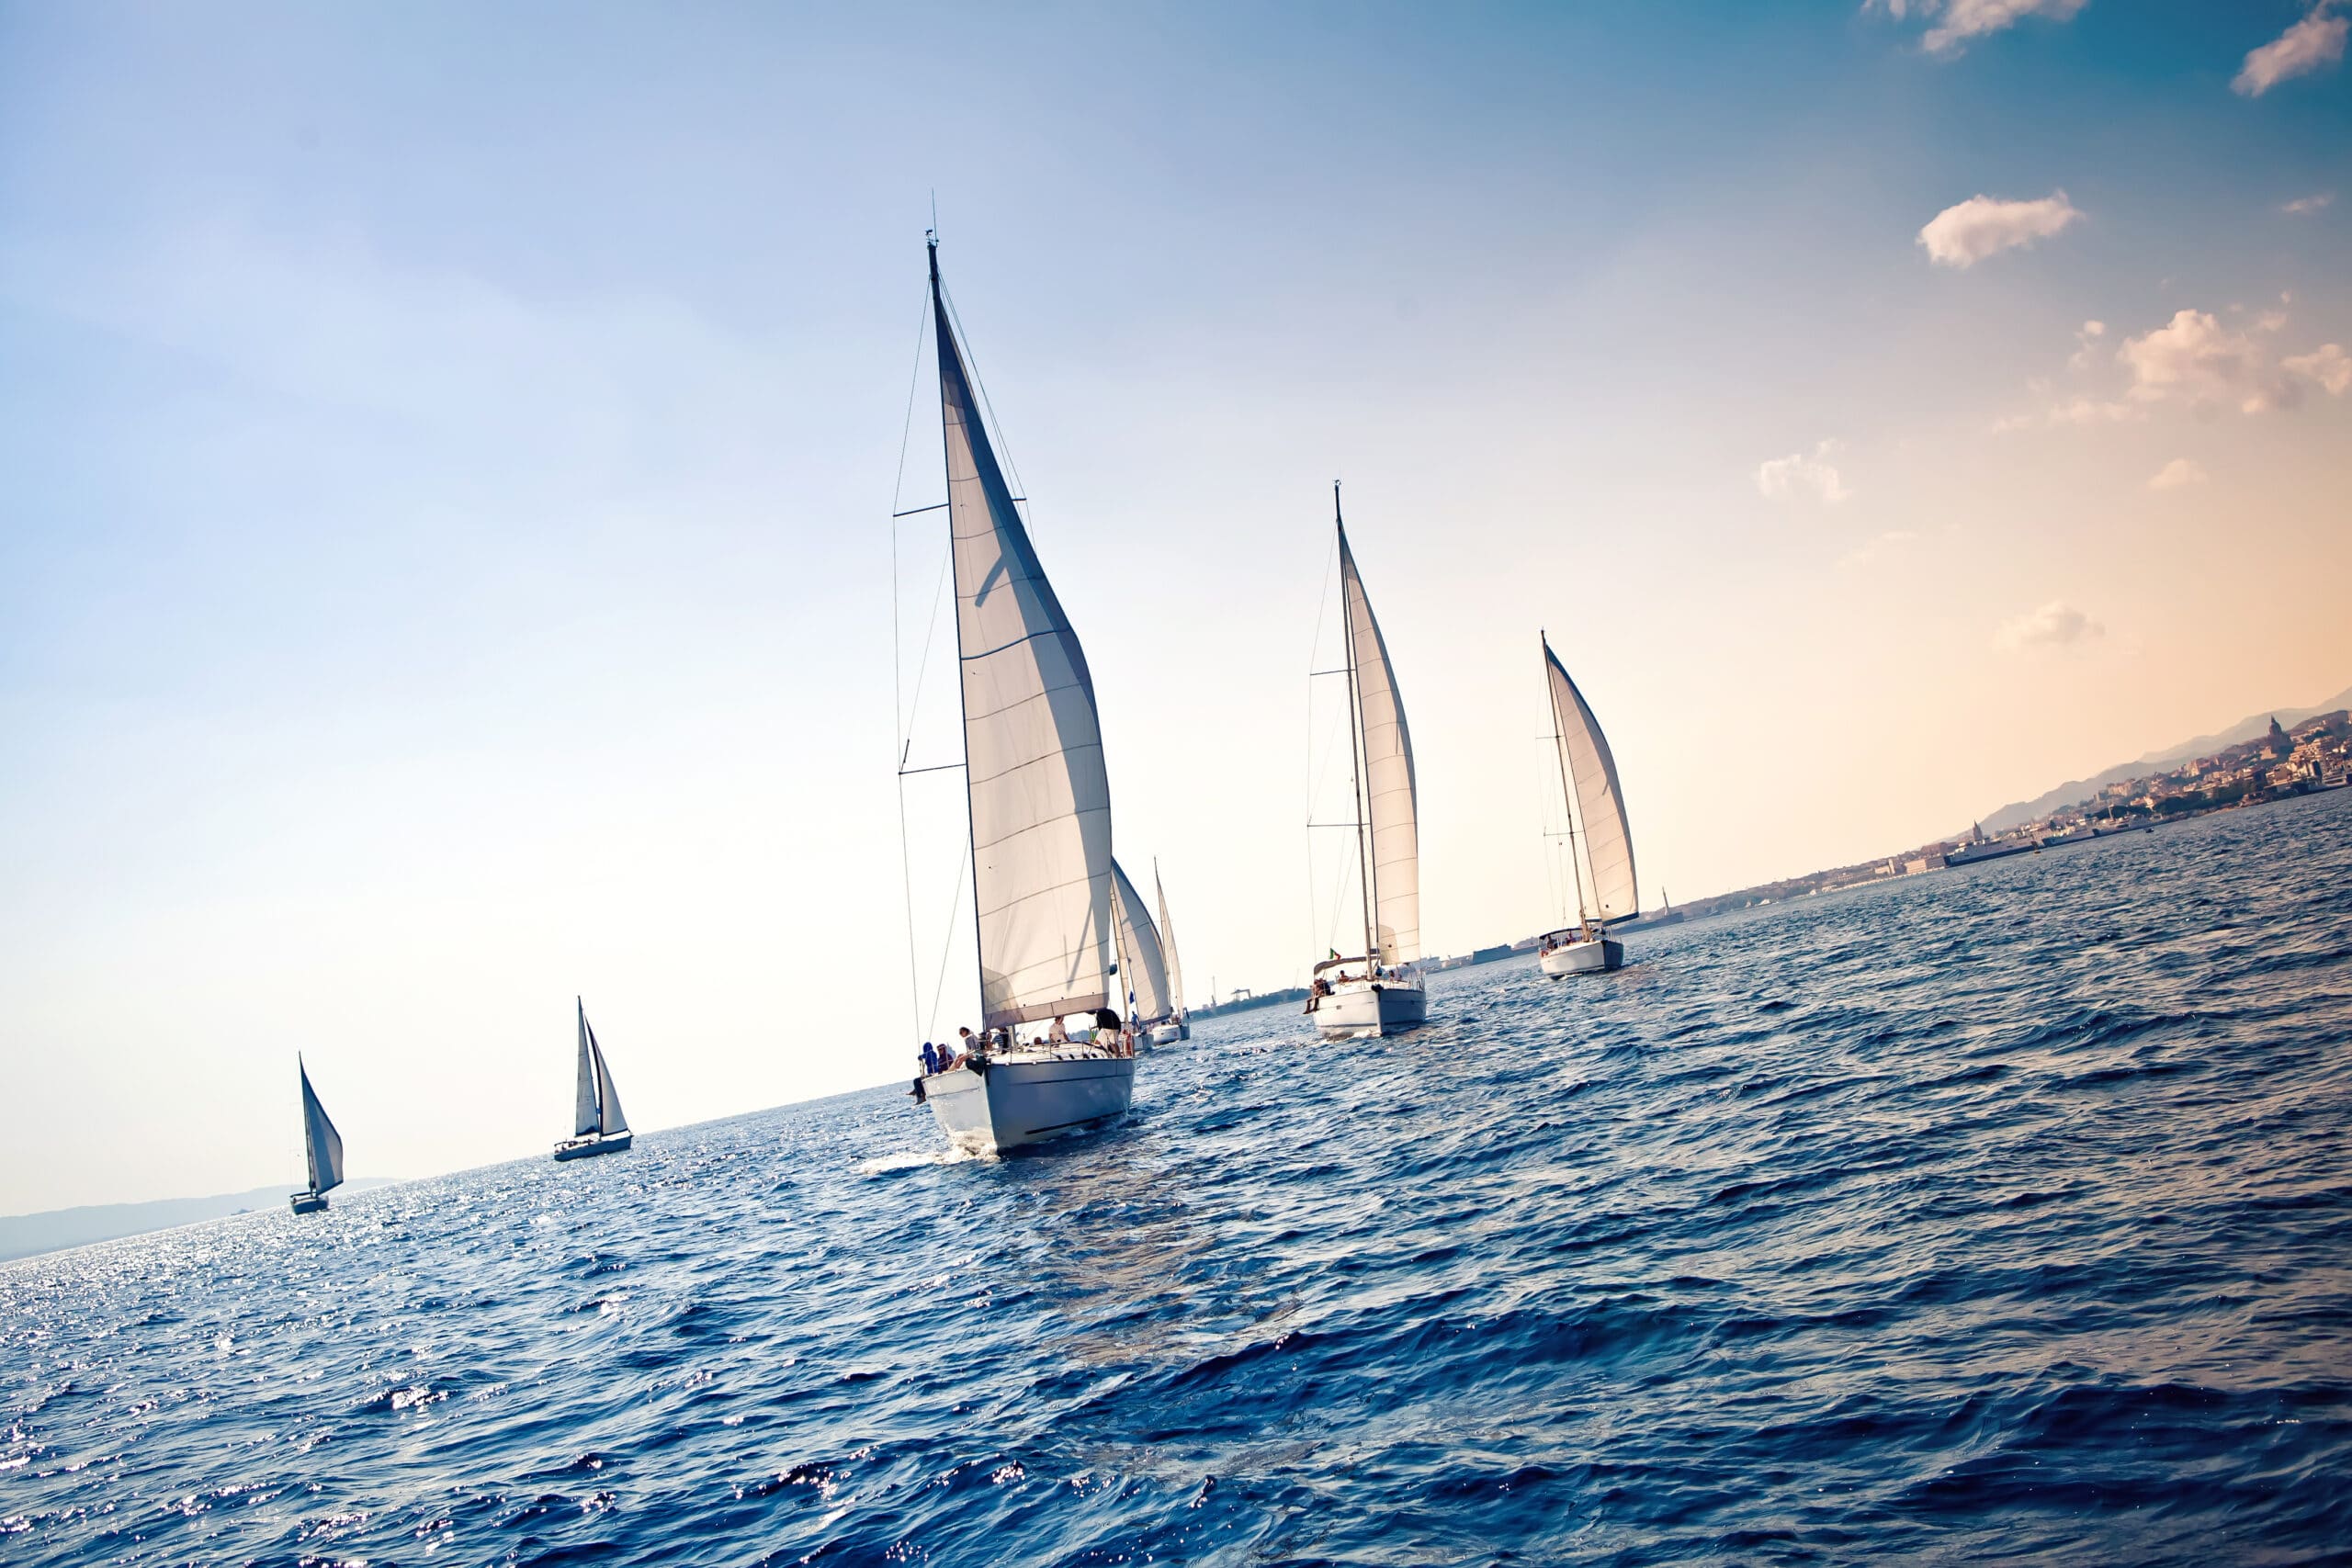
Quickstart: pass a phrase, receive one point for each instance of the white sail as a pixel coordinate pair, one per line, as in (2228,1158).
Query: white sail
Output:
(1168,944)
(321,1144)
(1146,966)
(1590,773)
(1388,787)
(609,1118)
(585,1117)
(1040,797)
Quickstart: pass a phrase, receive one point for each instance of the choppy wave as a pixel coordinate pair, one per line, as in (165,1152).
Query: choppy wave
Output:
(1998,1213)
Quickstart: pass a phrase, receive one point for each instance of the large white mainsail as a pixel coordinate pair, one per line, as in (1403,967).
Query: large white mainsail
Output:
(321,1144)
(1145,966)
(1039,794)
(585,1117)
(1168,943)
(1590,774)
(1388,787)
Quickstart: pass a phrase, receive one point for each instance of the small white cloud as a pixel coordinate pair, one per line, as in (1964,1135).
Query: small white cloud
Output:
(1798,475)
(2054,625)
(1983,225)
(2178,474)
(2329,365)
(1869,549)
(2091,333)
(2194,357)
(2303,206)
(2315,42)
(1957,21)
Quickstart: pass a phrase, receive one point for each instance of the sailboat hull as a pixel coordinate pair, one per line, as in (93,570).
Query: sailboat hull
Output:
(1029,1098)
(308,1202)
(1584,958)
(1360,1010)
(582,1148)
(1168,1034)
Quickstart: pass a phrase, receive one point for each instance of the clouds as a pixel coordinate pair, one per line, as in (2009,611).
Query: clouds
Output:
(2193,361)
(2328,364)
(2178,474)
(1963,235)
(1958,22)
(2317,41)
(2305,205)
(2195,358)
(2054,625)
(1797,476)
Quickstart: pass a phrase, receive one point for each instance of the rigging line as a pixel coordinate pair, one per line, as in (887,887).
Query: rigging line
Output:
(931,635)
(948,945)
(898,674)
(1314,779)
(939,768)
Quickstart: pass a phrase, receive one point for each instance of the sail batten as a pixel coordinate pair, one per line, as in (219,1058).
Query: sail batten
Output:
(1035,777)
(1146,965)
(321,1144)
(1390,795)
(1589,772)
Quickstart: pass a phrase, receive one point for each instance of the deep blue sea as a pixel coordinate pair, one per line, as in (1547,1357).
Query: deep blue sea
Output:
(1999,1213)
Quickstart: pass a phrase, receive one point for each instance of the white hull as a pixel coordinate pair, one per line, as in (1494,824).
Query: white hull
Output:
(1027,1097)
(1360,1010)
(1168,1034)
(1584,958)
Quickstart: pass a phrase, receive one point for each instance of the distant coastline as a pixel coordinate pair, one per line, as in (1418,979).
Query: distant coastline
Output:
(62,1230)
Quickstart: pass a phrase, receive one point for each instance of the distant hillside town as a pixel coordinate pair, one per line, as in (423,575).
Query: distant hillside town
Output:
(2315,754)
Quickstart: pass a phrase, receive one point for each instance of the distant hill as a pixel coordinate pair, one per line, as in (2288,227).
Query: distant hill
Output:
(22,1236)
(2079,790)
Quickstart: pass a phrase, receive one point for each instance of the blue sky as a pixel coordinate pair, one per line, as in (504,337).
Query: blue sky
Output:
(446,565)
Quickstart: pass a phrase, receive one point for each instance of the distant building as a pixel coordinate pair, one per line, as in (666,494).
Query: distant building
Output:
(2275,743)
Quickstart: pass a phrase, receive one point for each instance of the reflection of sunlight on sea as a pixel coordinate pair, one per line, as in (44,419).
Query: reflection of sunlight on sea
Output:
(1994,1212)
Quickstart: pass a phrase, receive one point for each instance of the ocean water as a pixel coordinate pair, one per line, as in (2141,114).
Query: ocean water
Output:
(1998,1213)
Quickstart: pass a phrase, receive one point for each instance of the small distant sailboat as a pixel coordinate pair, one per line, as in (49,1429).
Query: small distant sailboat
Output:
(598,1125)
(321,1148)
(1143,962)
(1178,1025)
(1604,870)
(1377,992)
(1040,801)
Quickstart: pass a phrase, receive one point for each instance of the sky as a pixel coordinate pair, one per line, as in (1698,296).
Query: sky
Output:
(445,560)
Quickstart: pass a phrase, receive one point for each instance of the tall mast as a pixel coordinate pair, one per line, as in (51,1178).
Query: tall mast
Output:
(944,334)
(1364,873)
(1567,785)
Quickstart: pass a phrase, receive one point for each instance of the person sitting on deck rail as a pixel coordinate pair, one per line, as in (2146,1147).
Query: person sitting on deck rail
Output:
(1058,1034)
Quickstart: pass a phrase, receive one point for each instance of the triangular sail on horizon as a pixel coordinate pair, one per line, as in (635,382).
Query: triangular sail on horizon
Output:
(609,1118)
(1033,772)
(321,1144)
(1168,943)
(1388,783)
(1590,773)
(1147,964)
(585,1117)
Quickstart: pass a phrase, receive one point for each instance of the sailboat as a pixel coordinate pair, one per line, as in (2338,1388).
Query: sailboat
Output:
(1604,869)
(322,1149)
(598,1125)
(1377,991)
(1039,803)
(1143,962)
(1178,1025)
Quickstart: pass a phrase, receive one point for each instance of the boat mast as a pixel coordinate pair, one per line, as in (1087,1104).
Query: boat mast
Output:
(944,340)
(1364,873)
(1567,785)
